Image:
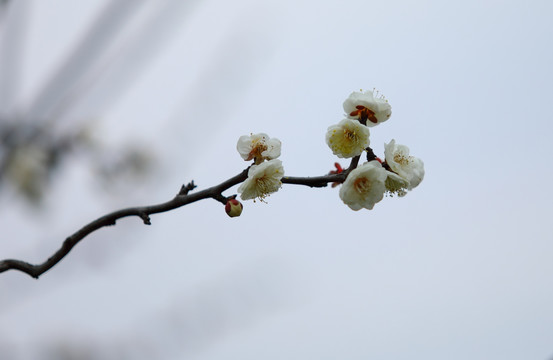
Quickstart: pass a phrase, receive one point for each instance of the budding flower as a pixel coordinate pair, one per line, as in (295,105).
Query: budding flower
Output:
(233,207)
(338,170)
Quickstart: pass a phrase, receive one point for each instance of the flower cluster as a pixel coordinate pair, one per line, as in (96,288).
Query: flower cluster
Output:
(361,186)
(367,184)
(265,174)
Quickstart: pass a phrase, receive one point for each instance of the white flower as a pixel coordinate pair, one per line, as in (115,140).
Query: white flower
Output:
(262,180)
(367,108)
(408,167)
(259,147)
(348,138)
(364,186)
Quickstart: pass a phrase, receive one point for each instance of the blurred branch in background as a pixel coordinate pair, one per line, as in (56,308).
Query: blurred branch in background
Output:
(31,154)
(3,8)
(37,136)
(45,132)
(85,61)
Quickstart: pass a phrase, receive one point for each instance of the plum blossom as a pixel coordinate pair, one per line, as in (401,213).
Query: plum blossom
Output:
(407,167)
(364,186)
(348,138)
(263,179)
(367,108)
(258,147)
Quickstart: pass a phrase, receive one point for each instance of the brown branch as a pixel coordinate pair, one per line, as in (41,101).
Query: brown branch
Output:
(315,181)
(322,181)
(144,212)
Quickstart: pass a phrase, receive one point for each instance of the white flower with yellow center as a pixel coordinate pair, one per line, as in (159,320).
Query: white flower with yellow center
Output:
(367,108)
(263,179)
(259,147)
(408,167)
(364,186)
(348,138)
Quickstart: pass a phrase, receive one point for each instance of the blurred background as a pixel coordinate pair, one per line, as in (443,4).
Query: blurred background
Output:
(109,104)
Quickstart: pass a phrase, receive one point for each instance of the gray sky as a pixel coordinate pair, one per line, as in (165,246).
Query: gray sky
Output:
(458,269)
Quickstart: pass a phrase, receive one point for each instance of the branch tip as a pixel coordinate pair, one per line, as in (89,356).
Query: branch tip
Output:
(185,189)
(145,217)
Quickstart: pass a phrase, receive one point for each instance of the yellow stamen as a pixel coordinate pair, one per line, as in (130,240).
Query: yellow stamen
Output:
(401,159)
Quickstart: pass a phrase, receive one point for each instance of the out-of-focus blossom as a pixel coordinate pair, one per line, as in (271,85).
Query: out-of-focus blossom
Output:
(263,179)
(259,147)
(348,138)
(28,170)
(364,186)
(367,108)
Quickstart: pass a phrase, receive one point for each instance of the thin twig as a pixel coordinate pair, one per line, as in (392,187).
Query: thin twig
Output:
(315,181)
(143,212)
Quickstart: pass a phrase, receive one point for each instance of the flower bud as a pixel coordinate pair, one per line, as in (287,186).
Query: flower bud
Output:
(233,207)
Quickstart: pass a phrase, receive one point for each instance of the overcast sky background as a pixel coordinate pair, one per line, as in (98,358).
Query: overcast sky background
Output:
(461,268)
